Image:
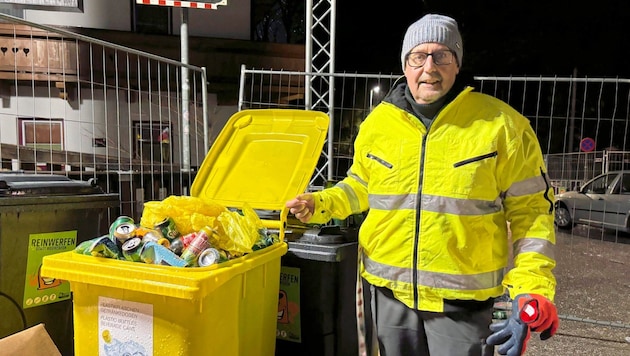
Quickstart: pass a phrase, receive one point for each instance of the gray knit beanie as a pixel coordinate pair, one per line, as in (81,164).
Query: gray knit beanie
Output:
(433,28)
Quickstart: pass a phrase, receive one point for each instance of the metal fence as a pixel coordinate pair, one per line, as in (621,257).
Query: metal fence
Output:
(583,124)
(566,113)
(355,95)
(569,171)
(85,108)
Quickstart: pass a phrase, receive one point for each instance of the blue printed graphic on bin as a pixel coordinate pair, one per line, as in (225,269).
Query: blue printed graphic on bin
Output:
(117,348)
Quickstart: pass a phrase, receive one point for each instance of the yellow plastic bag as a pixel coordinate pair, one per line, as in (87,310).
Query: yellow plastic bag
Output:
(190,214)
(239,232)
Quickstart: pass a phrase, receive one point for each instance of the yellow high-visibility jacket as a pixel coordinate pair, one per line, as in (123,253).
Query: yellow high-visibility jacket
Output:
(439,200)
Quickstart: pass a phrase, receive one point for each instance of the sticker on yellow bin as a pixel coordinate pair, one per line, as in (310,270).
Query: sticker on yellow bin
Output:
(126,328)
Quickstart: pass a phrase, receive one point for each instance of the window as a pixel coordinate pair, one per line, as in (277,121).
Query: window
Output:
(151,19)
(153,141)
(13,12)
(600,185)
(625,183)
(278,21)
(41,133)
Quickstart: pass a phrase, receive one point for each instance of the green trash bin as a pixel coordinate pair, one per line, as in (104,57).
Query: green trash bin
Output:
(40,215)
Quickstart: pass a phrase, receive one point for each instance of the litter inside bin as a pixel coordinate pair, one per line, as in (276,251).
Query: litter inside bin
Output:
(232,234)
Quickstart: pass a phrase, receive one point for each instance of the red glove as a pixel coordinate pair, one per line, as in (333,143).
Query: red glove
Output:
(539,313)
(529,312)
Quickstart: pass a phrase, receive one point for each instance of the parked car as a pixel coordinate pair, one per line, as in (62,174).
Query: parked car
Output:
(603,201)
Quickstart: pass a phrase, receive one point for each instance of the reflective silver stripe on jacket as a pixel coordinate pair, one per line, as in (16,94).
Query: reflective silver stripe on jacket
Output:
(435,279)
(440,204)
(357,178)
(353,200)
(528,186)
(530,244)
(392,202)
(436,204)
(456,206)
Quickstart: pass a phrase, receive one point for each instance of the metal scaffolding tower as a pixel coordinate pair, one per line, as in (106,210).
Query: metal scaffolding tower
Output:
(320,58)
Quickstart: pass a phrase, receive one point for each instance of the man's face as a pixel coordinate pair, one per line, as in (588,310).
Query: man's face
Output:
(431,81)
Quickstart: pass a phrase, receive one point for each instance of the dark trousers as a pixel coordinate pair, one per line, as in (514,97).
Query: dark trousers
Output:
(404,331)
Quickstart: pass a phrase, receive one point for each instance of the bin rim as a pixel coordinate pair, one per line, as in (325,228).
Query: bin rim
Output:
(192,283)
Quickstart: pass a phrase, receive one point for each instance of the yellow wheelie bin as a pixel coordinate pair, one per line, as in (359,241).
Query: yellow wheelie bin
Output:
(261,158)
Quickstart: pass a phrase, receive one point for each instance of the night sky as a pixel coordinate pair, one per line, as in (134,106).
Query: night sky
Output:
(500,37)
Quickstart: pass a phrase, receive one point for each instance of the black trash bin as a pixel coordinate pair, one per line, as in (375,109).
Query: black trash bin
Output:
(43,214)
(316,307)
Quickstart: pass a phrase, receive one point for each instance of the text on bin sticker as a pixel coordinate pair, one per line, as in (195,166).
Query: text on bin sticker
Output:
(124,327)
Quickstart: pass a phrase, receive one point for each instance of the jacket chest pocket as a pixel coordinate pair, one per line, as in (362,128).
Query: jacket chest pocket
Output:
(390,164)
(476,159)
(380,160)
(383,170)
(473,175)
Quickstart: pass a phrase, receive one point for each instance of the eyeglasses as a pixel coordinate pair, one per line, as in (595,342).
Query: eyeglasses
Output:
(440,58)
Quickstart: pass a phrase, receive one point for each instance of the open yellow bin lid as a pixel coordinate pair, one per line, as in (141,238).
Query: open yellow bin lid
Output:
(263,158)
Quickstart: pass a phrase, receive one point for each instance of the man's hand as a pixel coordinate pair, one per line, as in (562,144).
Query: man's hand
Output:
(547,322)
(529,312)
(302,207)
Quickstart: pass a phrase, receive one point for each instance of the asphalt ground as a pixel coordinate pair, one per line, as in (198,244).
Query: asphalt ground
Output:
(592,296)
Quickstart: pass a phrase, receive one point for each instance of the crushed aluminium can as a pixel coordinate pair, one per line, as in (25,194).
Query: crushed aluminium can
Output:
(265,241)
(101,246)
(180,243)
(191,253)
(155,236)
(211,256)
(131,249)
(123,219)
(176,246)
(168,229)
(124,232)
(500,315)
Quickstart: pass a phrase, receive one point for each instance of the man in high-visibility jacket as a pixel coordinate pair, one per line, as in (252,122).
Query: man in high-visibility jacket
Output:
(441,170)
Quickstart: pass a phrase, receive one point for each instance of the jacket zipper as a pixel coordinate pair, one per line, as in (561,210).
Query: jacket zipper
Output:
(416,241)
(475,159)
(425,138)
(380,160)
